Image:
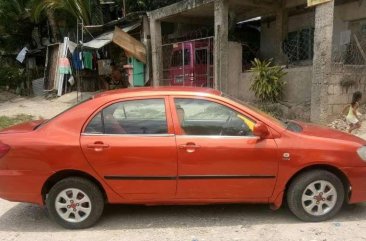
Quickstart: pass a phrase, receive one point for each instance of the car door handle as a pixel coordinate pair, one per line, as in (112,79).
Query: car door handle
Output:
(98,146)
(189,147)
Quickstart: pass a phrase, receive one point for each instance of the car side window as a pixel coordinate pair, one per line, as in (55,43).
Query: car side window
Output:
(203,117)
(131,117)
(95,126)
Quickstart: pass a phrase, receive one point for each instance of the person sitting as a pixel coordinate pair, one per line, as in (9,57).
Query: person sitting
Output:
(181,114)
(111,124)
(117,77)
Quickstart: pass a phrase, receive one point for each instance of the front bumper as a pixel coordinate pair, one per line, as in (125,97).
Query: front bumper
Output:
(357,179)
(22,186)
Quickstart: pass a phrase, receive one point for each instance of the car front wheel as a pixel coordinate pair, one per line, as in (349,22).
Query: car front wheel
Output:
(75,203)
(315,196)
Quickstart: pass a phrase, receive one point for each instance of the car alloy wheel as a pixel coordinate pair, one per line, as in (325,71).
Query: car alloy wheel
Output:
(73,205)
(319,198)
(316,195)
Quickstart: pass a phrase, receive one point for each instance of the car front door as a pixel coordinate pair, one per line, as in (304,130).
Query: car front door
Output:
(131,145)
(218,157)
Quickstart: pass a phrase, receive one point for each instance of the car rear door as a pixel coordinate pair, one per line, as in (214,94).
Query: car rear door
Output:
(218,157)
(131,145)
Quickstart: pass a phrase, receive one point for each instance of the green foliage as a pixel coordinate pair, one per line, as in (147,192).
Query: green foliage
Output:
(268,80)
(9,121)
(146,5)
(11,76)
(79,9)
(15,24)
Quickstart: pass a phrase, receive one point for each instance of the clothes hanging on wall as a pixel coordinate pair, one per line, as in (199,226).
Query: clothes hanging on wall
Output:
(95,61)
(77,60)
(64,66)
(85,60)
(88,60)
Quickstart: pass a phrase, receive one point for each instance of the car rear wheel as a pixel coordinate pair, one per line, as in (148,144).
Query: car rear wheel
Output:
(75,203)
(315,196)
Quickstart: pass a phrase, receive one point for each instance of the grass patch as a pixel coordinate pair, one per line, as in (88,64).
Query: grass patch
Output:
(6,121)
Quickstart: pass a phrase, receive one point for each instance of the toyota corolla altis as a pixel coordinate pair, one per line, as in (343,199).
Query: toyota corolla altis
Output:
(158,146)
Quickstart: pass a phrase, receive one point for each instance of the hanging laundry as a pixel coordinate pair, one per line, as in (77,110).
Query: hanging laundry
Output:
(64,66)
(77,61)
(21,55)
(88,60)
(95,61)
(81,58)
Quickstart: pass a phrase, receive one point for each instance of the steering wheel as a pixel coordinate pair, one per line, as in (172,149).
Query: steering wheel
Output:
(230,117)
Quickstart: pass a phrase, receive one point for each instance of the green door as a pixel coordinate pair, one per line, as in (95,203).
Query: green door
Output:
(138,71)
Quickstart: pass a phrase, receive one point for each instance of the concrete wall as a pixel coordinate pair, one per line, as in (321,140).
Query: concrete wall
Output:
(298,87)
(230,86)
(268,32)
(343,15)
(340,96)
(296,91)
(244,92)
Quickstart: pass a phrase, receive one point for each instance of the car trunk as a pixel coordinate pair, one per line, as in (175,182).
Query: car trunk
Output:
(22,128)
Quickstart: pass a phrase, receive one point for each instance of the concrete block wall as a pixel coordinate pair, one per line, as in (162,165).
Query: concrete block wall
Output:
(339,96)
(296,91)
(230,86)
(299,83)
(298,87)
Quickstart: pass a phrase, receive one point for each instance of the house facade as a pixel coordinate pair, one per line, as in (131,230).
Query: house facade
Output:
(323,47)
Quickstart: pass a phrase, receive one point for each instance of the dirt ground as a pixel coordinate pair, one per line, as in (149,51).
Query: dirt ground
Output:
(183,223)
(19,221)
(12,105)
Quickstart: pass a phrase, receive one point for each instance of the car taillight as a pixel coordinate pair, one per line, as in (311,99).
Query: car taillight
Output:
(3,149)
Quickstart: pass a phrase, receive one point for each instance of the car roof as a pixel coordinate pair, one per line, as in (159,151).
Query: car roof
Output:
(165,90)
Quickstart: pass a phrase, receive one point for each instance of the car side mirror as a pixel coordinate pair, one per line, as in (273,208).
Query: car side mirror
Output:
(260,130)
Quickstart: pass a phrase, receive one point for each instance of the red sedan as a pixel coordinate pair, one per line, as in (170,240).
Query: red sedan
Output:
(158,146)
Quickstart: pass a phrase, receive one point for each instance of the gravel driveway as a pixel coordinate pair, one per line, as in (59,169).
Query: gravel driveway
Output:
(186,223)
(19,221)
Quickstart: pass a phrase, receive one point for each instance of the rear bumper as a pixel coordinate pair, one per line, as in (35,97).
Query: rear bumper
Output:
(357,178)
(22,186)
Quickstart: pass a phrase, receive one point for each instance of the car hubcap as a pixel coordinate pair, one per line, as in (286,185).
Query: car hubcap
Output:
(319,198)
(73,205)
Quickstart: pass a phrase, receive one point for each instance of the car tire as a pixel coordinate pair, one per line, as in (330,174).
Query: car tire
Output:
(315,196)
(75,203)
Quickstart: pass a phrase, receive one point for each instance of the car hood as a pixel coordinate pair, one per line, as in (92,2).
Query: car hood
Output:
(325,132)
(22,128)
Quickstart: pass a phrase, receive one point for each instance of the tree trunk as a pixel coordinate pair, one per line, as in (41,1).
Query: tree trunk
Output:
(53,25)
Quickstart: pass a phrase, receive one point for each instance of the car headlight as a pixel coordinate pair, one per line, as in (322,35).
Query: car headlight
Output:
(362,152)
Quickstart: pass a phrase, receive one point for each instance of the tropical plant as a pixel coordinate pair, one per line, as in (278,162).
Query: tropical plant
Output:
(268,80)
(15,24)
(146,5)
(80,9)
(11,76)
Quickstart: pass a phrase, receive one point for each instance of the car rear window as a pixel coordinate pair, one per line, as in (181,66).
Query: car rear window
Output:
(131,117)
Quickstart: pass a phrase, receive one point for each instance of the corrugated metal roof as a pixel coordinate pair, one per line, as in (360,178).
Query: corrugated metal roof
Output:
(106,38)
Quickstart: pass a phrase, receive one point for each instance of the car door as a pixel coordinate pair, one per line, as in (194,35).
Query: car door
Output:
(218,157)
(131,145)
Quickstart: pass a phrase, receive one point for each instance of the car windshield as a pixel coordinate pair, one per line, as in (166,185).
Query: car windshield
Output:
(282,123)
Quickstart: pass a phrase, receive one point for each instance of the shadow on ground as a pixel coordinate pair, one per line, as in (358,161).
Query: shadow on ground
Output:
(31,218)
